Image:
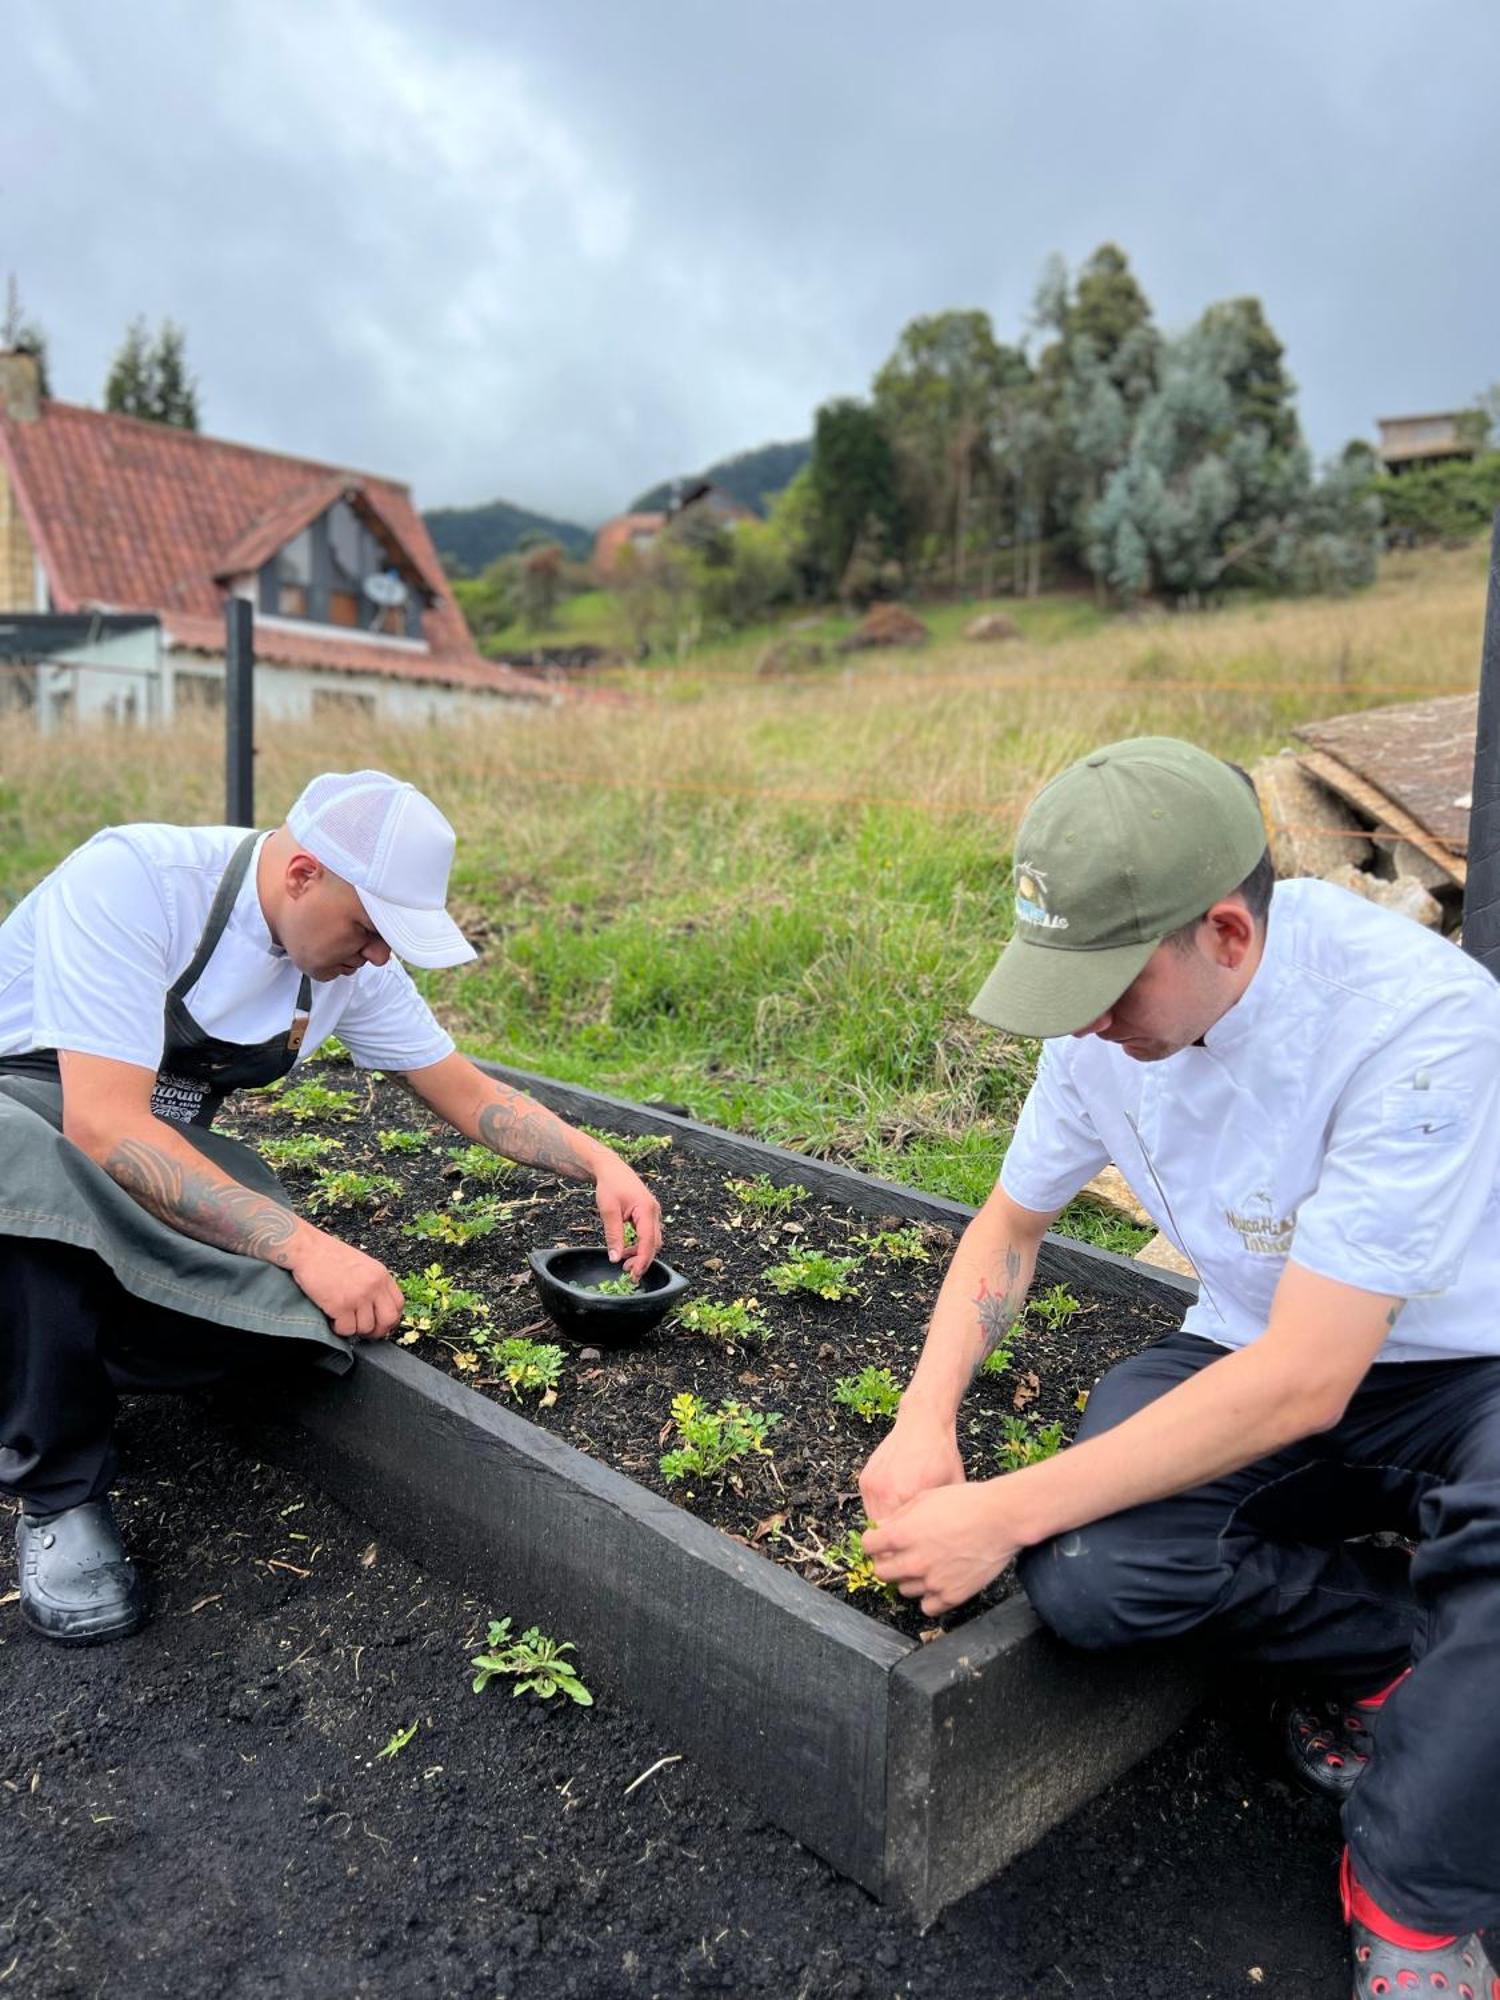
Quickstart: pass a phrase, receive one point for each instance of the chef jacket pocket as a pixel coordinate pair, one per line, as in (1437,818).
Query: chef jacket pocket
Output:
(1415,1117)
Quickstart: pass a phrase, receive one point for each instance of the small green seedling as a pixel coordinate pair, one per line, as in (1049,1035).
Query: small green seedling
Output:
(535,1660)
(301,1149)
(735,1322)
(623,1287)
(344,1188)
(1025,1442)
(633,1148)
(461,1223)
(478,1163)
(898,1246)
(764,1197)
(815,1271)
(714,1440)
(1055,1307)
(396,1140)
(848,1559)
(398,1742)
(872,1393)
(523,1364)
(303,1101)
(999,1359)
(432,1300)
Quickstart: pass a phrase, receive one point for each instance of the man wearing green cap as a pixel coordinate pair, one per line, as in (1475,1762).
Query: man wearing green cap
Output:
(1304,1092)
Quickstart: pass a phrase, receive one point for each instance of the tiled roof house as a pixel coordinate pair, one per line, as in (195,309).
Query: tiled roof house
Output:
(107,513)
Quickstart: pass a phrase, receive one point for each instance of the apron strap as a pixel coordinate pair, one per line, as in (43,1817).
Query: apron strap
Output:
(224,898)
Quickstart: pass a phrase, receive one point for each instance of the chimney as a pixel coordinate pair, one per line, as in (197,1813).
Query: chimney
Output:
(20,386)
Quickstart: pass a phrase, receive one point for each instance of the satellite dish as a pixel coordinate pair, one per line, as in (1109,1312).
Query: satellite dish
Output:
(385,587)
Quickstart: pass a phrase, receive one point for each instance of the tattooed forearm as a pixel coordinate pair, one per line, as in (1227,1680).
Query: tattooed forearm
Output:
(997,1310)
(191,1200)
(526,1131)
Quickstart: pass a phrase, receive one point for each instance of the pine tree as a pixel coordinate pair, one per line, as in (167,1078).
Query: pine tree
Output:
(149,378)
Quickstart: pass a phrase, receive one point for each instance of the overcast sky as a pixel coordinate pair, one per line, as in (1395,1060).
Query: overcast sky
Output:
(554,253)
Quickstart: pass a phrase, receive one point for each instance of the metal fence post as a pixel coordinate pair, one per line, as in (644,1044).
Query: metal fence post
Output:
(239,711)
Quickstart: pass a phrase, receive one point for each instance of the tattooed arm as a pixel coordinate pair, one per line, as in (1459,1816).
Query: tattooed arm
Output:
(981,1296)
(511,1123)
(107,1114)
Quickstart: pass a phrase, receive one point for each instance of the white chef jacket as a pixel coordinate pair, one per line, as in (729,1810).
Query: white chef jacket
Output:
(1343,1115)
(87,957)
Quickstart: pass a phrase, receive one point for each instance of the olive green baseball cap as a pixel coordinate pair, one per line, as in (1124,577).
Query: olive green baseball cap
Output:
(1130,843)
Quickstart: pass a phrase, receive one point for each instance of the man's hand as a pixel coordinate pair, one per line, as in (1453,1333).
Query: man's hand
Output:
(355,1291)
(918,1453)
(622,1197)
(943,1546)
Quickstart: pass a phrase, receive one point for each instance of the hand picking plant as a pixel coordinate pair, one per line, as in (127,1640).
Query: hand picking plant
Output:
(714,1440)
(815,1271)
(632,1148)
(394,1140)
(898,1246)
(1055,1307)
(535,1660)
(764,1197)
(301,1149)
(848,1558)
(344,1188)
(732,1321)
(478,1163)
(301,1101)
(872,1393)
(459,1224)
(523,1364)
(433,1299)
(1026,1442)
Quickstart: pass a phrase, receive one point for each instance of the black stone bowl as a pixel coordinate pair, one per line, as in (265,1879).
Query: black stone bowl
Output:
(562,1278)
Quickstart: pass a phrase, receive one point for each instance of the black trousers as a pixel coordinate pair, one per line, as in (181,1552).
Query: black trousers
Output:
(1260,1564)
(71,1339)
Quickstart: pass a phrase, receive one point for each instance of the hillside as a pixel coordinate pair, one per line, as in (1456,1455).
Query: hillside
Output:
(475,536)
(753,477)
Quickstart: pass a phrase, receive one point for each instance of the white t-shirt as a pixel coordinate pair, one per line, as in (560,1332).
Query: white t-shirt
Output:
(87,957)
(1344,1114)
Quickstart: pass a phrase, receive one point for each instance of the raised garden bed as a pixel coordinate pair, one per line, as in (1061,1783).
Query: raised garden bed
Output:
(916,1760)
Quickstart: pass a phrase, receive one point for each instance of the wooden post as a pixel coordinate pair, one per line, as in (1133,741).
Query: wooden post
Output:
(239,712)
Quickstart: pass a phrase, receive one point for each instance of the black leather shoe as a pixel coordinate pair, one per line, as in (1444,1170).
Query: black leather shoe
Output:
(78,1586)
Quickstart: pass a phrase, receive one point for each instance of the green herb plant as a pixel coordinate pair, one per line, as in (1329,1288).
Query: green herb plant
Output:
(734,1322)
(872,1393)
(848,1559)
(433,1299)
(714,1440)
(344,1188)
(304,1101)
(524,1365)
(535,1660)
(398,1742)
(623,1287)
(762,1196)
(631,1147)
(298,1149)
(331,1049)
(461,1223)
(395,1140)
(478,1163)
(818,1272)
(898,1246)
(1024,1441)
(1055,1307)
(998,1359)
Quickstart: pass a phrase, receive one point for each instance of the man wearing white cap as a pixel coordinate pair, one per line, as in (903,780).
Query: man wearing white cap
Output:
(153,972)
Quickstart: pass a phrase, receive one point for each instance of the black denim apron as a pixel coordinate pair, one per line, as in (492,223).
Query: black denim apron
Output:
(51,1188)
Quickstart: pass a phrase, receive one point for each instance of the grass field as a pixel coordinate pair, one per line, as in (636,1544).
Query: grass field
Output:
(772,899)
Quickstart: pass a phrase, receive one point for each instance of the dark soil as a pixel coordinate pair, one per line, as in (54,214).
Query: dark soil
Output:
(200,1813)
(616,1403)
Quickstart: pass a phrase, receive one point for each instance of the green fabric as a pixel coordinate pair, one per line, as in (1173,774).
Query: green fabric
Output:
(50,1188)
(1130,843)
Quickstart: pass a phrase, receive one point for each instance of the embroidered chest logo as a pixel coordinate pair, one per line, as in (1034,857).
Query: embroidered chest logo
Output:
(1260,1229)
(1031,900)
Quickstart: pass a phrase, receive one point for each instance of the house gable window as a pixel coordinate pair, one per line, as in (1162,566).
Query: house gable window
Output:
(320,576)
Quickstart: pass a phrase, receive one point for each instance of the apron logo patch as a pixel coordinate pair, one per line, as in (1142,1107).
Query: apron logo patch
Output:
(177,1098)
(1260,1229)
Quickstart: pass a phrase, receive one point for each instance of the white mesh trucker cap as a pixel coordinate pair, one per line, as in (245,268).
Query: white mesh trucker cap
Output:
(390,842)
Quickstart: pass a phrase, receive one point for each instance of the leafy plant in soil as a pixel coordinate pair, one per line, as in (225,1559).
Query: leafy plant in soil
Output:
(395,1140)
(398,1742)
(848,1559)
(733,1322)
(299,1149)
(632,1149)
(535,1660)
(336,1187)
(818,1272)
(478,1163)
(307,1100)
(522,1364)
(872,1393)
(714,1440)
(763,1196)
(1054,1307)
(433,1299)
(461,1223)
(999,1359)
(898,1246)
(1023,1441)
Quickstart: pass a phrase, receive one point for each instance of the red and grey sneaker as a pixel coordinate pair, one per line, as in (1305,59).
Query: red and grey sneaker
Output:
(1328,1741)
(1391,1959)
